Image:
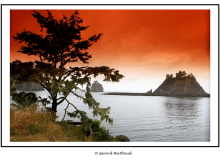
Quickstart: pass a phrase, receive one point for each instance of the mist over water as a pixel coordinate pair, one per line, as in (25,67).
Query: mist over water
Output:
(150,118)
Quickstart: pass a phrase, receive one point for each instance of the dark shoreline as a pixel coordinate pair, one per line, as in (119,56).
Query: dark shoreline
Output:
(152,94)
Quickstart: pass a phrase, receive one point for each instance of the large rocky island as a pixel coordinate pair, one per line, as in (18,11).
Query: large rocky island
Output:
(182,85)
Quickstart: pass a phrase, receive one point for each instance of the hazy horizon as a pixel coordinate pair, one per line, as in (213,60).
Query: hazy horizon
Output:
(138,85)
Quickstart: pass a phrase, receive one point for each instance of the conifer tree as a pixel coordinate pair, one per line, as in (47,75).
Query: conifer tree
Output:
(62,45)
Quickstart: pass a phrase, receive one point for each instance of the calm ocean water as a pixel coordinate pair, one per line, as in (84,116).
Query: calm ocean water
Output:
(150,118)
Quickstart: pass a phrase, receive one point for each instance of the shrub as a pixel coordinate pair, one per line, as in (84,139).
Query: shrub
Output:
(99,133)
(23,99)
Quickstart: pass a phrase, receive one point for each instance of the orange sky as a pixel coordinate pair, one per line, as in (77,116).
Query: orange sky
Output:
(144,45)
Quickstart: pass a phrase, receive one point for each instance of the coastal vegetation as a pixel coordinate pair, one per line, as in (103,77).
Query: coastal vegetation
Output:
(60,43)
(181,75)
(35,124)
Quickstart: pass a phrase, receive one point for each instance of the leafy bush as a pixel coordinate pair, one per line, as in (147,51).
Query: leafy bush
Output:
(96,125)
(99,133)
(23,99)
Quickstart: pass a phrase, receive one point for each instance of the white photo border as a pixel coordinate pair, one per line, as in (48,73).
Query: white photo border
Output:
(214,81)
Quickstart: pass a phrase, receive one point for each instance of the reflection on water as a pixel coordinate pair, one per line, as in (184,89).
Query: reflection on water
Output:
(188,116)
(181,109)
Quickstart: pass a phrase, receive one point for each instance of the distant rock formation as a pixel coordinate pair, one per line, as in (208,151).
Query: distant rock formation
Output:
(96,87)
(181,85)
(29,87)
(149,92)
(128,94)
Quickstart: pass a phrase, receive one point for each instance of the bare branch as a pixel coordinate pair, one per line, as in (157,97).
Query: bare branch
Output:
(65,112)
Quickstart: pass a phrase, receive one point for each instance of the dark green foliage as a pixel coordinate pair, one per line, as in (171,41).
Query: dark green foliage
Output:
(44,101)
(13,87)
(97,132)
(100,133)
(181,74)
(23,99)
(21,71)
(96,125)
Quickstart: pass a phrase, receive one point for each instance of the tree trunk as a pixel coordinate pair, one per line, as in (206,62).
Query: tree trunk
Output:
(54,104)
(54,107)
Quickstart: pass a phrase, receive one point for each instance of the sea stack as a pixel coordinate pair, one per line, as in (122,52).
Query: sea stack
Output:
(181,85)
(96,87)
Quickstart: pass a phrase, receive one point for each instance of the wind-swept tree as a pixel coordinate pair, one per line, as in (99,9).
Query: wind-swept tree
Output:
(61,45)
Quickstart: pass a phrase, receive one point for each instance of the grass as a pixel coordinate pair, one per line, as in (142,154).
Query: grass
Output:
(38,125)
(34,124)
